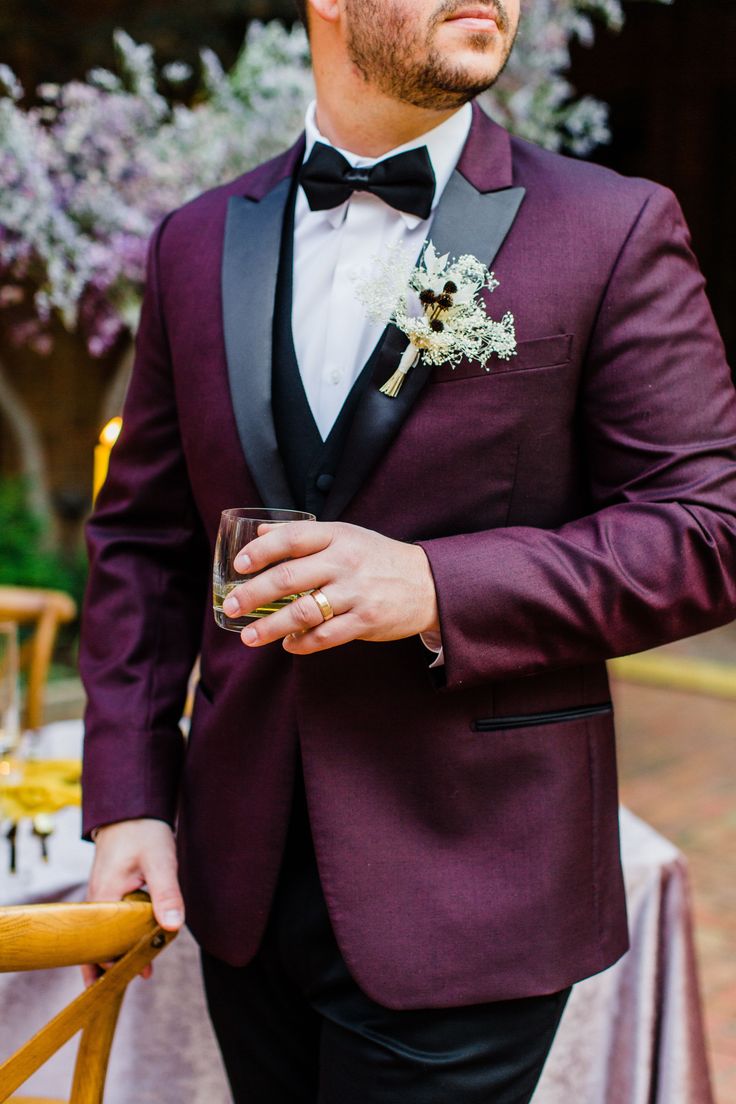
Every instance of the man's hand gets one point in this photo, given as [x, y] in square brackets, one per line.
[128, 855]
[379, 588]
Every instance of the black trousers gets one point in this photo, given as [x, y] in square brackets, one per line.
[295, 1028]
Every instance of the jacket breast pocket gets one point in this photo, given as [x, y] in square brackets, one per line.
[542, 352]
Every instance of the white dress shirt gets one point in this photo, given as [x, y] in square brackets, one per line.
[333, 337]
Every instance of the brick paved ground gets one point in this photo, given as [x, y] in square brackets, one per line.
[677, 755]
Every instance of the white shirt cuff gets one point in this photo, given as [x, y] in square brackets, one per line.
[433, 642]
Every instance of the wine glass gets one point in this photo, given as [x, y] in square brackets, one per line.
[239, 527]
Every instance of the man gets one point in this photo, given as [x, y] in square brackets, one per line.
[528, 521]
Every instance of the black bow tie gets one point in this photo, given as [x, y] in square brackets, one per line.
[405, 181]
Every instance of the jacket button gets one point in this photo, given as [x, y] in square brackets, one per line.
[324, 482]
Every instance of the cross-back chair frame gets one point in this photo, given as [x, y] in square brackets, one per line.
[46, 610]
[36, 937]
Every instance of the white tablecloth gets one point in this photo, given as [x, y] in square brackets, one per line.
[632, 1035]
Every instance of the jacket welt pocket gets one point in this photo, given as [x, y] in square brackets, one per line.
[543, 352]
[530, 720]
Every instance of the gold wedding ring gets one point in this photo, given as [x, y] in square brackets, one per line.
[324, 606]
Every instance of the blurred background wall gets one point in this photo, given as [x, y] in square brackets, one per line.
[670, 80]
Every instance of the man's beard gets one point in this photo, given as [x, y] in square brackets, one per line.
[402, 61]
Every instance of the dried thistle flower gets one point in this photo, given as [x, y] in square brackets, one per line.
[399, 293]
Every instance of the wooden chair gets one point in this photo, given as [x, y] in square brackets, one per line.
[34, 937]
[45, 610]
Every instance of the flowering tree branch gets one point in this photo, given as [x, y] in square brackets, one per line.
[85, 177]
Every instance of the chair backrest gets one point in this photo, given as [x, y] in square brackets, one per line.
[34, 937]
[45, 610]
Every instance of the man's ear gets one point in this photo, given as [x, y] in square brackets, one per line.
[329, 10]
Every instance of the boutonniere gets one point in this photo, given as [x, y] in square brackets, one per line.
[438, 305]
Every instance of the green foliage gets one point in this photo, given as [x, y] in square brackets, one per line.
[23, 559]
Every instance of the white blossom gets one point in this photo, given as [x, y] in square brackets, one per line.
[85, 177]
[11, 84]
[177, 71]
[447, 329]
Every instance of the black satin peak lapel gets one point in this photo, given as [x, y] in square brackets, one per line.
[250, 265]
[469, 221]
[466, 221]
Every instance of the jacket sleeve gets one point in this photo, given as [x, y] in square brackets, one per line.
[655, 559]
[146, 594]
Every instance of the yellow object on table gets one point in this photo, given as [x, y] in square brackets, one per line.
[37, 788]
[32, 786]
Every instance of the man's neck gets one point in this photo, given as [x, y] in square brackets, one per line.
[368, 123]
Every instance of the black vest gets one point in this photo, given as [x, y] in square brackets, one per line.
[310, 462]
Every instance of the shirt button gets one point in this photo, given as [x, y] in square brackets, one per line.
[335, 375]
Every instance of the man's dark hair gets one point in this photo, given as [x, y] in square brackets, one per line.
[301, 8]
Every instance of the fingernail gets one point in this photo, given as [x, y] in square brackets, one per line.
[242, 563]
[250, 636]
[231, 605]
[173, 917]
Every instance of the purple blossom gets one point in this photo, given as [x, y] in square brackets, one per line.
[85, 178]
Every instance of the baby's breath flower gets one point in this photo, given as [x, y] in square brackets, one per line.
[177, 71]
[438, 305]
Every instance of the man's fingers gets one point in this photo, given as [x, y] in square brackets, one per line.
[112, 888]
[93, 972]
[90, 974]
[168, 908]
[281, 542]
[163, 887]
[299, 616]
[130, 855]
[280, 581]
[105, 886]
[329, 634]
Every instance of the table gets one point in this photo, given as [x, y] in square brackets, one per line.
[632, 1035]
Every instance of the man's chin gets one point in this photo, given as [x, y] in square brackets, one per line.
[464, 83]
[474, 67]
[480, 58]
[441, 98]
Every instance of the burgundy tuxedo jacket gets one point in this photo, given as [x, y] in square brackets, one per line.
[576, 502]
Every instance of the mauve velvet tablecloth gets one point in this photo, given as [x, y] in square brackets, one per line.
[632, 1035]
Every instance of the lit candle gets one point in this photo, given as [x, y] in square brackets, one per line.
[108, 437]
